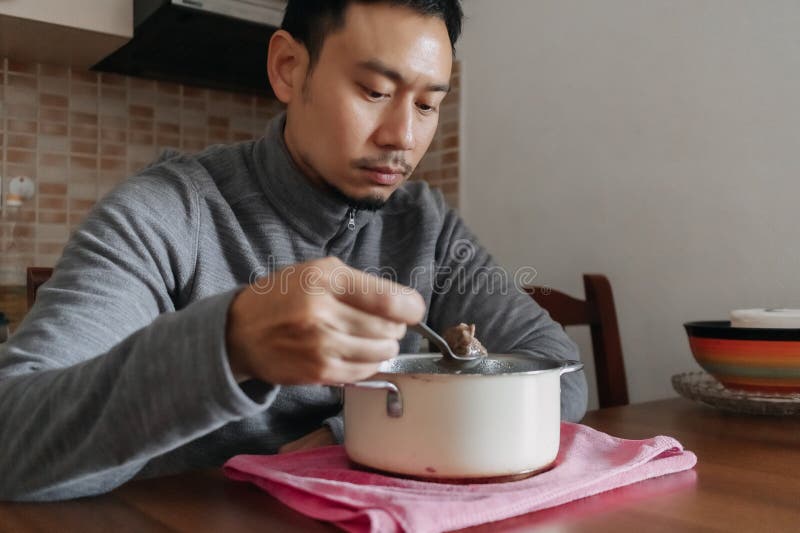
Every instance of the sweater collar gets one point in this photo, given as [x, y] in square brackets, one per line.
[317, 214]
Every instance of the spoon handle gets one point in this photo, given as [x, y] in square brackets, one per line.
[424, 330]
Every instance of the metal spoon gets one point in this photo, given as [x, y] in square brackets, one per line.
[440, 343]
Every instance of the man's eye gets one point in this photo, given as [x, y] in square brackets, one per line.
[374, 95]
[425, 108]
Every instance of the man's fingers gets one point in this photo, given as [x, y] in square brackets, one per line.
[348, 371]
[357, 323]
[361, 350]
[375, 295]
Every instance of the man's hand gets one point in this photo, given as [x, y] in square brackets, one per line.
[320, 322]
[316, 439]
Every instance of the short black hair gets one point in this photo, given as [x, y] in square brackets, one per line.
[311, 21]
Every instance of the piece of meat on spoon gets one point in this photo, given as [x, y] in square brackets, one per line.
[462, 340]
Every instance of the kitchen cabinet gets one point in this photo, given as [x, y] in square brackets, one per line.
[77, 32]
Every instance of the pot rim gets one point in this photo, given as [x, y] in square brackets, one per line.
[450, 369]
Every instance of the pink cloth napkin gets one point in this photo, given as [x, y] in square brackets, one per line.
[321, 483]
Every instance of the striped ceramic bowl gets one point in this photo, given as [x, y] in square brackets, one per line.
[751, 359]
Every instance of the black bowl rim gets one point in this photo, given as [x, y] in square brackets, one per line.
[722, 329]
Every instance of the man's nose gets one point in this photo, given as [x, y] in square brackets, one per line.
[396, 131]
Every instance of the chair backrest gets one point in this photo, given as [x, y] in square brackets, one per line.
[36, 276]
[599, 313]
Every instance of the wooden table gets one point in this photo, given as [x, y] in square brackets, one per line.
[747, 479]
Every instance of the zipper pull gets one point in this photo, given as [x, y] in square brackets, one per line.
[351, 224]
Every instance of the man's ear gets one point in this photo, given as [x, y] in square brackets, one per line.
[287, 63]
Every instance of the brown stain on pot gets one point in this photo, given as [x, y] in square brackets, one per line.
[456, 481]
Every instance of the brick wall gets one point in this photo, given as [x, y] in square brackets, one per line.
[78, 133]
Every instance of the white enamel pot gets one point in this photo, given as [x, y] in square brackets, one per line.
[422, 416]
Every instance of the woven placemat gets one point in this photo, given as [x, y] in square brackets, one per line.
[702, 387]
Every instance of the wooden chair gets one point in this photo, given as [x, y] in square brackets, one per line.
[599, 313]
[36, 276]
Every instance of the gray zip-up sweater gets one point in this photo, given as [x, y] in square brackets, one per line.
[120, 369]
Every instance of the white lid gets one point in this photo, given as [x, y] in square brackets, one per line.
[766, 318]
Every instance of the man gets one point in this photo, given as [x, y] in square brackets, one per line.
[205, 305]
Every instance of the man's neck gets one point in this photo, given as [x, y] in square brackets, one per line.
[318, 182]
[300, 162]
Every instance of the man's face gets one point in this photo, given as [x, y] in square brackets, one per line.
[369, 110]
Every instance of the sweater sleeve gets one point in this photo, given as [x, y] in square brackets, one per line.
[470, 287]
[109, 369]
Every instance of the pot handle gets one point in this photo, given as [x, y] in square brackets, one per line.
[394, 401]
[570, 366]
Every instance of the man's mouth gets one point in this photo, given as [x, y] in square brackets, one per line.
[384, 175]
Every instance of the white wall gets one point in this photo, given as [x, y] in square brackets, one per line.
[655, 141]
[114, 17]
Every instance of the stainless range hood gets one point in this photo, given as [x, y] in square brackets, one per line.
[267, 12]
[219, 44]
